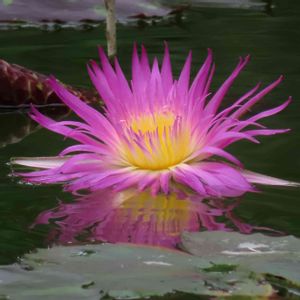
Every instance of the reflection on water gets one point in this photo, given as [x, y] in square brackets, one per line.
[138, 218]
[274, 45]
[14, 134]
[16, 125]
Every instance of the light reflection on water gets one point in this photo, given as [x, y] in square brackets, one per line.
[139, 218]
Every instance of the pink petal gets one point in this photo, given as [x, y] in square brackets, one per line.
[40, 162]
[220, 152]
[166, 71]
[214, 103]
[244, 108]
[184, 78]
[267, 180]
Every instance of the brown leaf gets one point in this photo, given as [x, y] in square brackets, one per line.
[19, 87]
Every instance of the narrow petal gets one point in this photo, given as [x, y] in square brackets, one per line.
[87, 113]
[255, 99]
[268, 113]
[214, 103]
[184, 78]
[166, 71]
[145, 66]
[108, 71]
[221, 153]
[265, 131]
[39, 162]
[267, 180]
[63, 130]
[197, 90]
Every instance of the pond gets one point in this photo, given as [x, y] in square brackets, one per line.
[270, 34]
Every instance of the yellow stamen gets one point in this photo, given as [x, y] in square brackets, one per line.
[161, 144]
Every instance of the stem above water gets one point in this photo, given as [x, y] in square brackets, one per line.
[111, 28]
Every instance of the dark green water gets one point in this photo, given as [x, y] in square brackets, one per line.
[272, 37]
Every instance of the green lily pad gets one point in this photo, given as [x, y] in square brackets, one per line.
[276, 256]
[121, 272]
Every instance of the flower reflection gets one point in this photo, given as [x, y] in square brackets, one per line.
[138, 218]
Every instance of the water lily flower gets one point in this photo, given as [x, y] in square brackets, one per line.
[157, 133]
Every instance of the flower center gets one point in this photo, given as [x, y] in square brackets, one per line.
[156, 141]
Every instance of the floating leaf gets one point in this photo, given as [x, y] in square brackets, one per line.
[241, 4]
[120, 272]
[20, 87]
[75, 11]
[278, 256]
[93, 10]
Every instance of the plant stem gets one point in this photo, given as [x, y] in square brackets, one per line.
[111, 28]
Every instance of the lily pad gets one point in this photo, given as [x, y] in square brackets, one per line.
[240, 4]
[277, 256]
[121, 272]
[76, 10]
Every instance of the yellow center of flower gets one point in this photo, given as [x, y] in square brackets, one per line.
[157, 141]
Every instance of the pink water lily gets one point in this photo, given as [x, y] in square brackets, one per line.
[157, 133]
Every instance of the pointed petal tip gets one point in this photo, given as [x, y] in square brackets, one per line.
[166, 50]
[103, 56]
[280, 78]
[143, 47]
[209, 52]
[51, 80]
[54, 83]
[39, 162]
[277, 81]
[93, 63]
[100, 49]
[258, 178]
[135, 46]
[88, 66]
[135, 56]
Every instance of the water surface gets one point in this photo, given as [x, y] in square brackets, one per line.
[271, 36]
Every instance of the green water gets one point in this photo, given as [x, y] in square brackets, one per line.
[271, 37]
